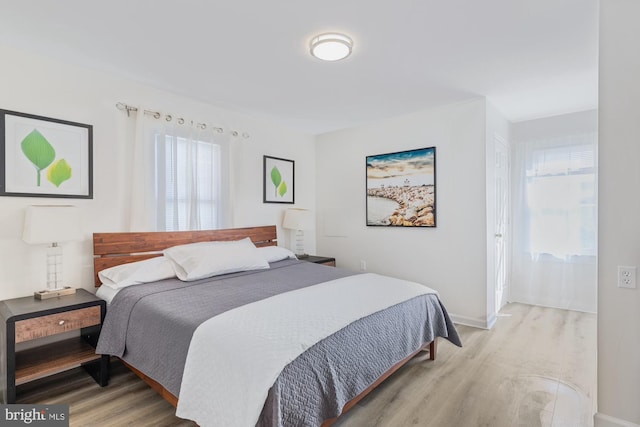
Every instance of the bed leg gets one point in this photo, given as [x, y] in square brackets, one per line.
[433, 348]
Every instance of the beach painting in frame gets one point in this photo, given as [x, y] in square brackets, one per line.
[401, 189]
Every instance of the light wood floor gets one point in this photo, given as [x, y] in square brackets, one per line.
[536, 367]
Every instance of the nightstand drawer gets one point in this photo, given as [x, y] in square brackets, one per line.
[52, 324]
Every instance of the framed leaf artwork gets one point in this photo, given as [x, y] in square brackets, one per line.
[45, 157]
[278, 180]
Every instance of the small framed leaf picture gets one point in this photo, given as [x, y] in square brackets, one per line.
[278, 178]
[44, 157]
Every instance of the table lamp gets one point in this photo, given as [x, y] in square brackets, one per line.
[298, 220]
[52, 225]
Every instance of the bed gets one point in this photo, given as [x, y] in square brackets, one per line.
[155, 329]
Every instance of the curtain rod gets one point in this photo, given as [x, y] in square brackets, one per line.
[156, 114]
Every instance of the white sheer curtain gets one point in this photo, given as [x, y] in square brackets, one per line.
[555, 222]
[180, 178]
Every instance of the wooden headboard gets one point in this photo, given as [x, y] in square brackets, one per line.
[111, 249]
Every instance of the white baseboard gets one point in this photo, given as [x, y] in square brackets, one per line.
[470, 321]
[551, 304]
[601, 420]
[491, 321]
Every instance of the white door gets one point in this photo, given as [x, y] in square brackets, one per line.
[502, 210]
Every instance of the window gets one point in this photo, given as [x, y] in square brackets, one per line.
[188, 178]
[561, 198]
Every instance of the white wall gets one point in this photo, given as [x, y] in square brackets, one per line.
[450, 258]
[275, 141]
[619, 213]
[41, 86]
[555, 127]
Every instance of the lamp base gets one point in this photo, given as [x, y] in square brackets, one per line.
[52, 293]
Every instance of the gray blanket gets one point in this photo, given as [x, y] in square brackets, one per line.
[150, 326]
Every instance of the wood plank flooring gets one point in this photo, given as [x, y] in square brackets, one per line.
[536, 367]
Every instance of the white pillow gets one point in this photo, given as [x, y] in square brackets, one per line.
[135, 273]
[207, 259]
[276, 253]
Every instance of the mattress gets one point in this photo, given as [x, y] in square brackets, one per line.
[150, 326]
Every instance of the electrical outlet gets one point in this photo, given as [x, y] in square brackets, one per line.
[363, 265]
[627, 277]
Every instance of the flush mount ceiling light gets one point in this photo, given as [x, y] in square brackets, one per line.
[331, 46]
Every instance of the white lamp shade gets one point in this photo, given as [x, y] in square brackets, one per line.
[298, 219]
[51, 224]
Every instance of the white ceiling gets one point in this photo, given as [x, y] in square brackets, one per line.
[531, 58]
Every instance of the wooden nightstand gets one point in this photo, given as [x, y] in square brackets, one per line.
[320, 260]
[26, 319]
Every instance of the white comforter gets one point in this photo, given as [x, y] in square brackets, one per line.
[234, 358]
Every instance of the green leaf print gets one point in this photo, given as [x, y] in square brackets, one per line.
[282, 189]
[276, 178]
[59, 172]
[37, 149]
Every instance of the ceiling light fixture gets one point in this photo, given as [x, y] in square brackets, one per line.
[331, 46]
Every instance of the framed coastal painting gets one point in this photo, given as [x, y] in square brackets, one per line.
[401, 189]
[45, 157]
[278, 180]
